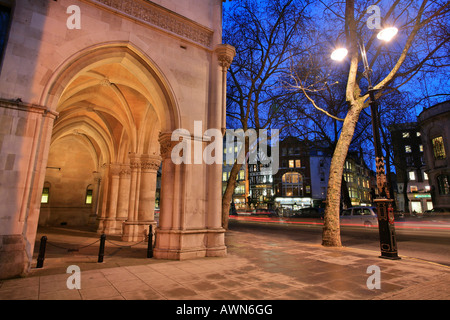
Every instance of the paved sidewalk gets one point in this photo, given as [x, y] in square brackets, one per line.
[257, 268]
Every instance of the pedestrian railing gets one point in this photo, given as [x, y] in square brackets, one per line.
[101, 253]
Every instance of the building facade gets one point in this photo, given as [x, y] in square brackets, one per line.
[413, 189]
[292, 182]
[434, 125]
[90, 94]
[357, 178]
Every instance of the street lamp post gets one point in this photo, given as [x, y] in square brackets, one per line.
[385, 213]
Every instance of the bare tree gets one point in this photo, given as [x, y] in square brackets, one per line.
[266, 36]
[422, 39]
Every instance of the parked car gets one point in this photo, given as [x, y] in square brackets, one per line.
[364, 216]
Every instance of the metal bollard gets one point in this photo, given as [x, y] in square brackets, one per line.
[150, 242]
[41, 256]
[101, 251]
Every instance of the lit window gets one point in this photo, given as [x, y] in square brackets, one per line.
[45, 195]
[443, 184]
[438, 148]
[405, 134]
[224, 176]
[408, 149]
[425, 176]
[297, 163]
[292, 184]
[241, 175]
[89, 196]
[414, 188]
[291, 163]
[412, 175]
[421, 148]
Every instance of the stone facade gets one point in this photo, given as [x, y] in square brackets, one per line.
[434, 125]
[90, 92]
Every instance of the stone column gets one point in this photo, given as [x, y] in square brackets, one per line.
[124, 193]
[110, 221]
[25, 135]
[129, 232]
[149, 170]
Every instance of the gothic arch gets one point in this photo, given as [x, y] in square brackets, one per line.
[117, 102]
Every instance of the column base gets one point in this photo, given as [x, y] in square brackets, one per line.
[13, 258]
[136, 230]
[189, 244]
[110, 226]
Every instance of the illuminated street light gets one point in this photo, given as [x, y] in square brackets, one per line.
[339, 54]
[385, 213]
[387, 34]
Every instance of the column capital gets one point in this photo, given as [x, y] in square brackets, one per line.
[150, 162]
[114, 169]
[166, 144]
[225, 54]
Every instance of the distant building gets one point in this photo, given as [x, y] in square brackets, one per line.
[434, 125]
[292, 182]
[357, 178]
[412, 179]
[319, 162]
[241, 188]
[261, 181]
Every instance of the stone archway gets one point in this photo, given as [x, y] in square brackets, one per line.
[112, 104]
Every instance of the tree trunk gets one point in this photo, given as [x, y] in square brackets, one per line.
[228, 195]
[331, 236]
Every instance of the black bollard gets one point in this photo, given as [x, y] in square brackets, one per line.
[150, 242]
[101, 251]
[41, 257]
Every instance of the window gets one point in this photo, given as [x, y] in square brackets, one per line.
[348, 177]
[348, 165]
[224, 176]
[5, 17]
[291, 163]
[241, 175]
[45, 195]
[421, 148]
[352, 193]
[89, 196]
[443, 184]
[425, 176]
[412, 175]
[438, 148]
[239, 189]
[292, 184]
[297, 163]
[405, 134]
[414, 189]
[408, 149]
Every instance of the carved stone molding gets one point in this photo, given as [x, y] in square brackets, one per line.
[125, 171]
[225, 54]
[155, 15]
[114, 169]
[166, 144]
[150, 163]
